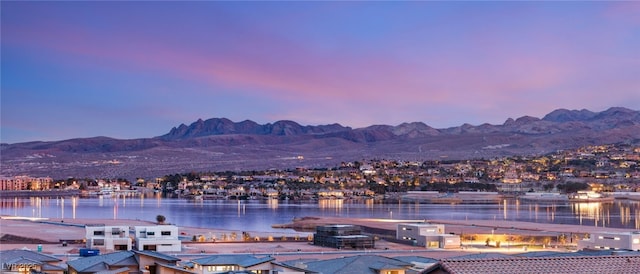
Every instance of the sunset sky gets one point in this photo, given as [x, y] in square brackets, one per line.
[137, 69]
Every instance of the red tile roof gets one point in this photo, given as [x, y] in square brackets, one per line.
[578, 264]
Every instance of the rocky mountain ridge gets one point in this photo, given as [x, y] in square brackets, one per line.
[221, 144]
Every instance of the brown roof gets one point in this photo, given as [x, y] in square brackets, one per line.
[577, 264]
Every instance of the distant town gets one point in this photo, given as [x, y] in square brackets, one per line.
[603, 169]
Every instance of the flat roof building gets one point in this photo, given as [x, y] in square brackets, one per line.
[612, 240]
[161, 238]
[108, 237]
[427, 235]
[342, 236]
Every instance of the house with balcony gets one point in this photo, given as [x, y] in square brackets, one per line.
[108, 237]
[160, 238]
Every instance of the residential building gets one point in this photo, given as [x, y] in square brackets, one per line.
[21, 261]
[427, 235]
[161, 238]
[342, 236]
[108, 237]
[145, 262]
[25, 183]
[373, 264]
[116, 262]
[159, 263]
[612, 240]
[241, 264]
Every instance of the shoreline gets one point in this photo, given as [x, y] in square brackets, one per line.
[33, 233]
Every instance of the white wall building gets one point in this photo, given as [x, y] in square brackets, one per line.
[160, 238]
[427, 235]
[108, 237]
[612, 240]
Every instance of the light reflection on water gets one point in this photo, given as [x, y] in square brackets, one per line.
[255, 215]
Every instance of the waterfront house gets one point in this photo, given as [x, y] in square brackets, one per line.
[342, 236]
[161, 238]
[612, 240]
[107, 237]
[427, 235]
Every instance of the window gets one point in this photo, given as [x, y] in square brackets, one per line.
[98, 242]
[98, 233]
[150, 233]
[165, 233]
[636, 241]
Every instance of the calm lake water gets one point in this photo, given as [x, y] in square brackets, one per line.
[254, 215]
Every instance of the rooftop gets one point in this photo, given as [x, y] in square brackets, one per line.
[570, 264]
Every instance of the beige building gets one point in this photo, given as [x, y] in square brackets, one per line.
[427, 235]
[25, 183]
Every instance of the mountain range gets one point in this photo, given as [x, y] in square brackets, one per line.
[219, 144]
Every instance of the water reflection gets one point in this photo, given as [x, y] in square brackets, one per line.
[261, 214]
[330, 203]
[598, 212]
[273, 203]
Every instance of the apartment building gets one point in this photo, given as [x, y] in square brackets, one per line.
[25, 183]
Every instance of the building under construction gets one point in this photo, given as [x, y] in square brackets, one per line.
[342, 236]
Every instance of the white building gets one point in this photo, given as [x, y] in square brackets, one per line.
[108, 237]
[160, 238]
[612, 240]
[427, 235]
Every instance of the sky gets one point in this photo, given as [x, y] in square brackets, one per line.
[135, 69]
